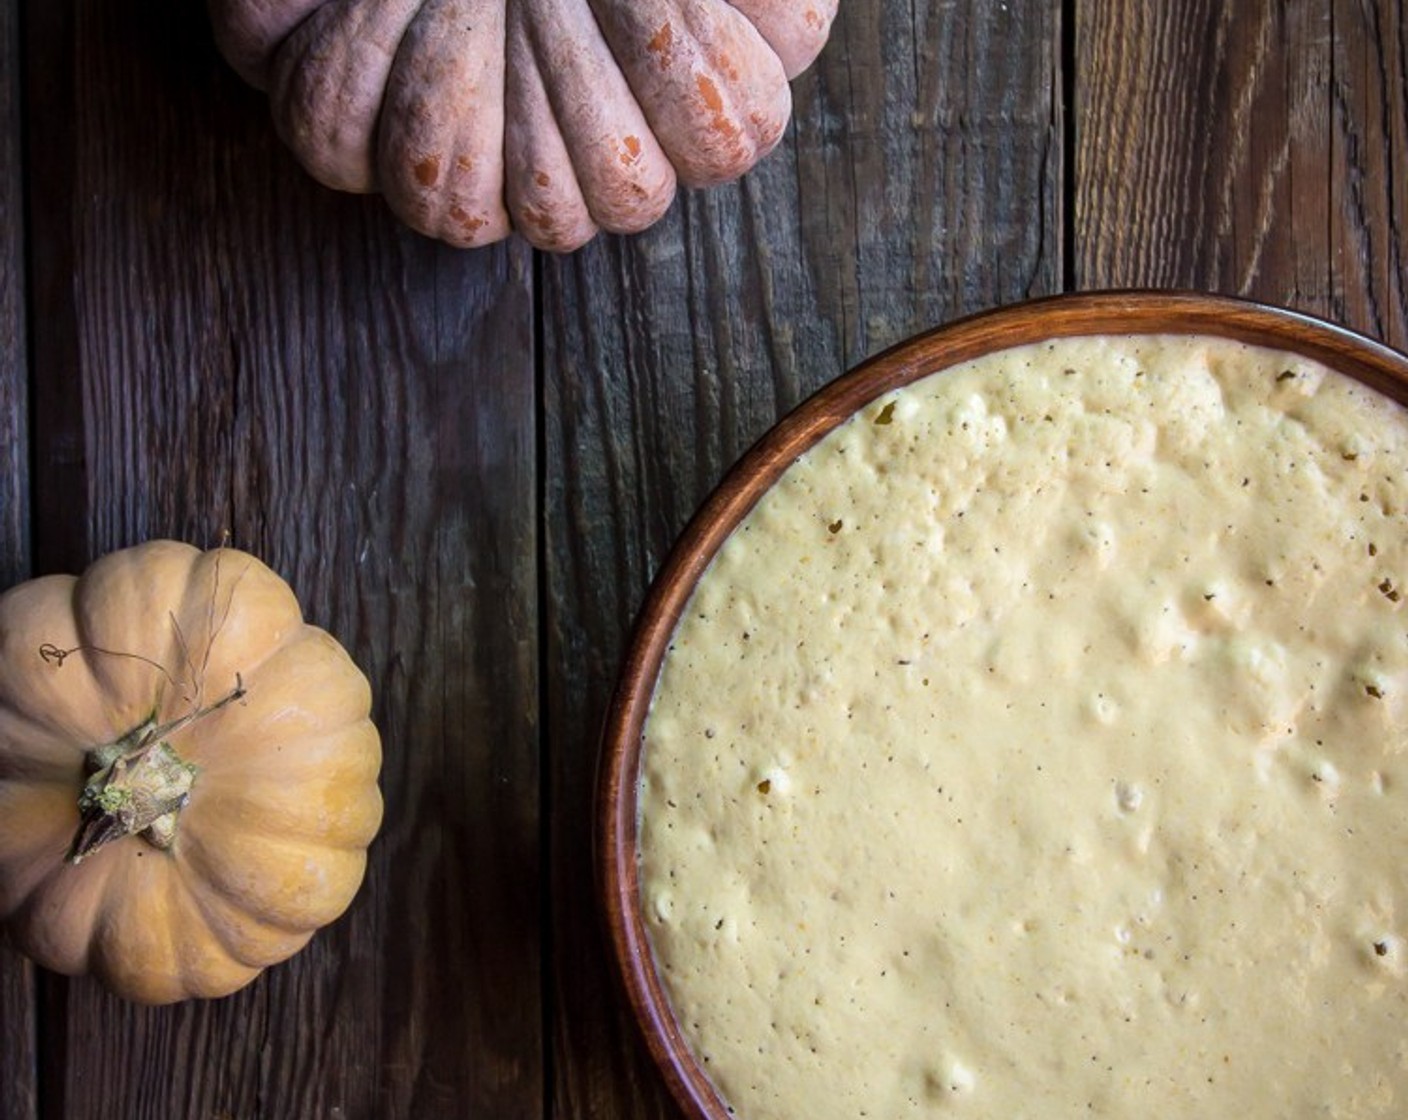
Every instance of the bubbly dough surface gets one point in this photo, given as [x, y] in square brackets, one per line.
[1038, 747]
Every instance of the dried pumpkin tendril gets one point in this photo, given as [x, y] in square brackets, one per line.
[53, 655]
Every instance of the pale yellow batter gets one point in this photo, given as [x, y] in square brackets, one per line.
[1038, 748]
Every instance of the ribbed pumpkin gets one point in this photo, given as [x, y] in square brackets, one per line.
[555, 117]
[188, 772]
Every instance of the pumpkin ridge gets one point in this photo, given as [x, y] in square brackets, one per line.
[525, 114]
[125, 619]
[624, 175]
[258, 617]
[266, 654]
[30, 751]
[328, 80]
[35, 816]
[259, 874]
[66, 699]
[221, 918]
[542, 187]
[797, 40]
[138, 949]
[106, 961]
[311, 659]
[249, 33]
[298, 798]
[443, 171]
[54, 924]
[713, 91]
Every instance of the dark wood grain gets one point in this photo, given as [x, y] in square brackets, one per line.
[14, 371]
[218, 345]
[1368, 168]
[58, 471]
[1191, 121]
[253, 354]
[1257, 149]
[920, 179]
[18, 1069]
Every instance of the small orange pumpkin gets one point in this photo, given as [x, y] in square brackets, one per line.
[188, 772]
[555, 117]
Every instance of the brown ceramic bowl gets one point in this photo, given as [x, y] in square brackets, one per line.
[1058, 317]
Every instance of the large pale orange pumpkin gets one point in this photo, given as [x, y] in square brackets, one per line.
[188, 772]
[555, 117]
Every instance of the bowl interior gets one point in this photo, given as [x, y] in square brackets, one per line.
[1058, 317]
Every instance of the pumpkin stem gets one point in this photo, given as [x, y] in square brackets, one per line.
[139, 784]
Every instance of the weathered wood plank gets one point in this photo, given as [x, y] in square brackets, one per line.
[357, 405]
[1257, 149]
[921, 179]
[1368, 168]
[18, 1085]
[14, 369]
[57, 457]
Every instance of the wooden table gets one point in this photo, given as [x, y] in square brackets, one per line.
[469, 464]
